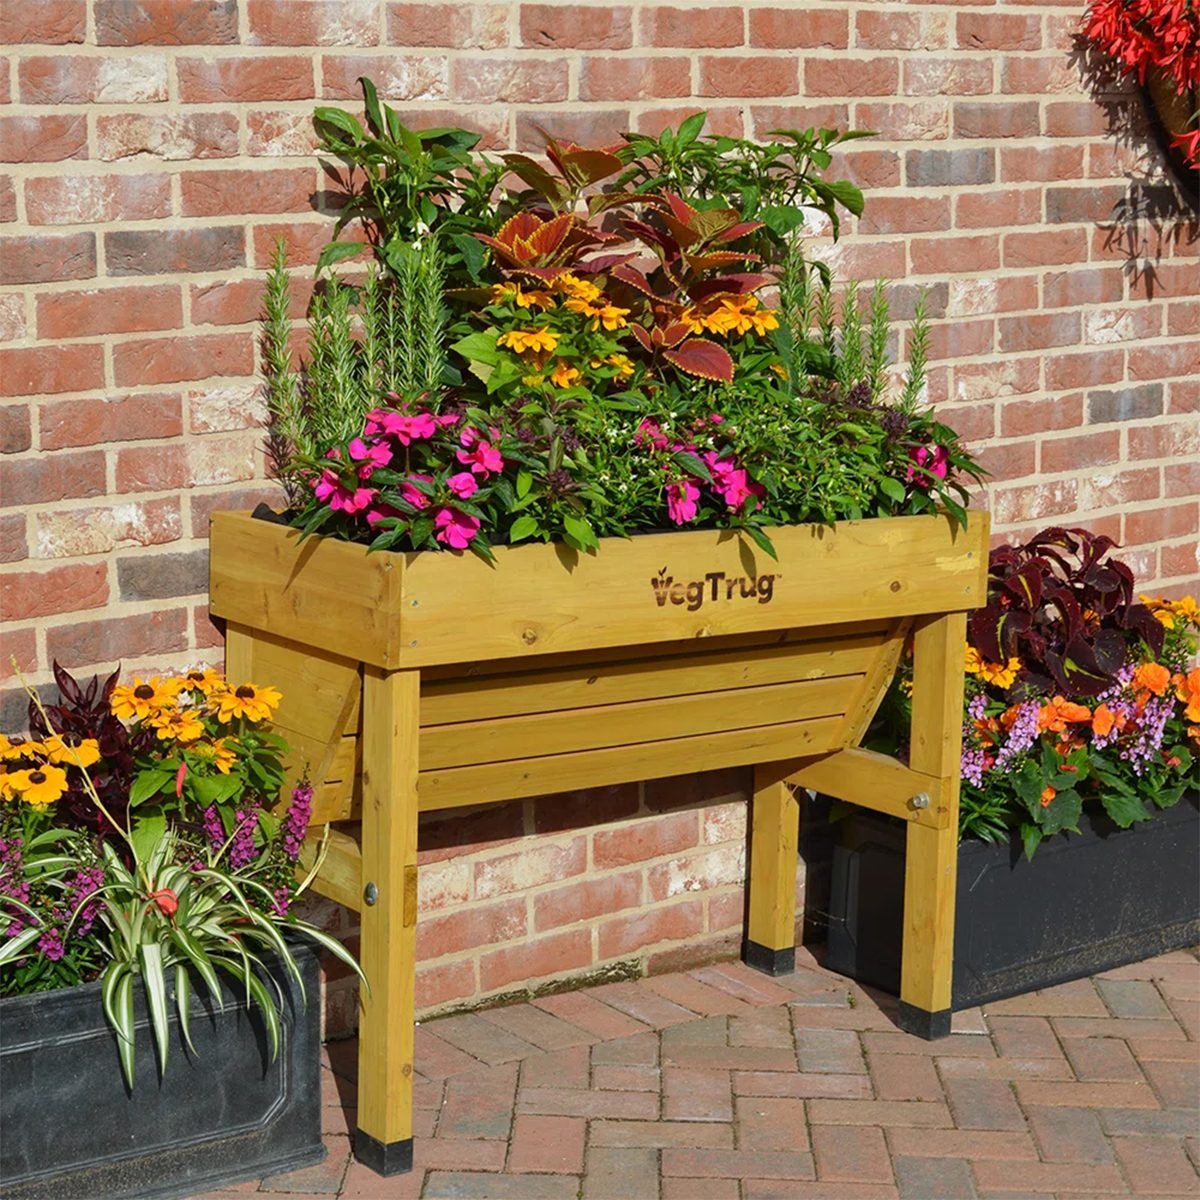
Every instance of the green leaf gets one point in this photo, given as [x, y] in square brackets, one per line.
[371, 104]
[147, 836]
[893, 489]
[340, 120]
[336, 252]
[478, 348]
[759, 537]
[183, 1003]
[1062, 812]
[693, 465]
[524, 483]
[1125, 810]
[523, 527]
[147, 784]
[156, 999]
[1031, 838]
[781, 219]
[689, 130]
[579, 529]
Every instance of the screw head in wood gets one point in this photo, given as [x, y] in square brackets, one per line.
[371, 894]
[920, 800]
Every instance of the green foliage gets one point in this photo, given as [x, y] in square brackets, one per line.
[289, 439]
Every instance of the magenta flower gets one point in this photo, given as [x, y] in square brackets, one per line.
[483, 458]
[339, 496]
[404, 428]
[464, 485]
[367, 457]
[381, 512]
[454, 529]
[413, 494]
[649, 433]
[681, 501]
[935, 459]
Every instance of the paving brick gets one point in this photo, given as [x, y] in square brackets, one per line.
[1157, 1166]
[1148, 1122]
[1075, 999]
[650, 1134]
[1151, 1049]
[707, 1031]
[961, 1143]
[1102, 1059]
[983, 1104]
[701, 1189]
[1087, 1095]
[955, 1046]
[1024, 1037]
[1069, 1027]
[816, 1084]
[627, 1079]
[1177, 1084]
[880, 1112]
[697, 1095]
[731, 1058]
[1061, 1178]
[536, 1027]
[850, 1155]
[573, 1102]
[771, 1189]
[571, 1067]
[691, 993]
[741, 981]
[1005, 1068]
[614, 1174]
[904, 1077]
[639, 1050]
[737, 1164]
[642, 1005]
[479, 1104]
[1069, 1135]
[542, 1143]
[470, 1185]
[770, 1123]
[769, 1027]
[590, 1014]
[934, 1179]
[1133, 998]
[484, 1040]
[836, 1051]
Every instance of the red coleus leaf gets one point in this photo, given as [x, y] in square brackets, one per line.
[635, 279]
[681, 210]
[536, 176]
[705, 359]
[717, 258]
[741, 229]
[547, 238]
[642, 337]
[734, 285]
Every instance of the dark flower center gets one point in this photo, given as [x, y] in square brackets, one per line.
[37, 777]
[144, 692]
[245, 692]
[196, 676]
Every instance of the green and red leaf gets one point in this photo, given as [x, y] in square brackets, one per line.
[702, 358]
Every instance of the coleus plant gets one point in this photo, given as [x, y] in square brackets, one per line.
[1066, 610]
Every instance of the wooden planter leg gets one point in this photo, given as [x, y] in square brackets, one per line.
[931, 870]
[389, 919]
[770, 944]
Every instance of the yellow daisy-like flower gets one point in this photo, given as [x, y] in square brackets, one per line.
[700, 319]
[249, 701]
[143, 697]
[1002, 675]
[205, 680]
[217, 752]
[741, 315]
[623, 364]
[179, 725]
[972, 661]
[513, 292]
[1187, 608]
[574, 287]
[564, 375]
[63, 753]
[600, 313]
[39, 787]
[11, 751]
[525, 341]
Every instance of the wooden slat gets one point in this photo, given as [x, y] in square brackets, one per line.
[875, 781]
[341, 869]
[774, 848]
[457, 786]
[653, 721]
[590, 683]
[863, 708]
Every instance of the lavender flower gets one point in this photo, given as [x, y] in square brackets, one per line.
[973, 766]
[213, 829]
[86, 883]
[51, 946]
[281, 900]
[1022, 735]
[295, 824]
[242, 851]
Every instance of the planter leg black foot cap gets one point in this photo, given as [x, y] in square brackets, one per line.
[927, 1025]
[384, 1158]
[770, 962]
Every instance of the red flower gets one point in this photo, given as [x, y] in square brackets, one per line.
[167, 901]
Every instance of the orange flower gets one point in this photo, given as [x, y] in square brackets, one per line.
[1058, 713]
[1048, 795]
[1187, 689]
[1103, 720]
[1151, 677]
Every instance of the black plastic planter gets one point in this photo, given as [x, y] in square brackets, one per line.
[71, 1130]
[1085, 903]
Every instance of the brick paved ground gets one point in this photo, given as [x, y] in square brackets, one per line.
[720, 1084]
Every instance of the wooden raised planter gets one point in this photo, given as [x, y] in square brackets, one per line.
[426, 681]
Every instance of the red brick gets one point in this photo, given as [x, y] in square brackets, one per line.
[1041, 75]
[1182, 560]
[65, 423]
[1181, 479]
[1010, 118]
[204, 505]
[1018, 505]
[1156, 1166]
[478, 26]
[441, 984]
[16, 430]
[100, 642]
[994, 209]
[1039, 332]
[624, 935]
[165, 22]
[661, 25]
[906, 214]
[1028, 418]
[219, 80]
[535, 958]
[280, 134]
[84, 199]
[232, 302]
[828, 77]
[20, 644]
[1161, 524]
[1086, 1095]
[13, 544]
[33, 594]
[1174, 441]
[1042, 249]
[157, 252]
[48, 478]
[396, 76]
[784, 29]
[47, 258]
[1075, 118]
[721, 121]
[908, 121]
[1183, 319]
[1065, 371]
[960, 339]
[1041, 163]
[69, 533]
[989, 31]
[45, 369]
[151, 469]
[8, 199]
[555, 26]
[1048, 1177]
[221, 193]
[303, 242]
[168, 360]
[63, 79]
[108, 310]
[542, 1143]
[849, 1155]
[901, 31]
[736, 1164]
[43, 139]
[509, 81]
[946, 255]
[868, 168]
[529, 868]
[587, 899]
[1086, 204]
[315, 23]
[171, 136]
[481, 925]
[1075, 453]
[947, 76]
[1160, 362]
[1094, 285]
[737, 76]
[650, 838]
[49, 22]
[634, 78]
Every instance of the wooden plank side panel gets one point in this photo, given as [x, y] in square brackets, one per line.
[323, 593]
[588, 682]
[482, 784]
[679, 586]
[878, 782]
[645, 721]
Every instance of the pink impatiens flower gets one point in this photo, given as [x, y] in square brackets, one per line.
[454, 529]
[367, 456]
[681, 501]
[464, 485]
[935, 460]
[649, 433]
[413, 494]
[404, 427]
[731, 482]
[482, 457]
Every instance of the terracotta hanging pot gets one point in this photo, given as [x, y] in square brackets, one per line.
[1170, 115]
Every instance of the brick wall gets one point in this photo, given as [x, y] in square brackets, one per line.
[151, 153]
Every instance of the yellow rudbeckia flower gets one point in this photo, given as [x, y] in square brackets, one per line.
[39, 787]
[139, 699]
[61, 752]
[180, 725]
[249, 700]
[525, 341]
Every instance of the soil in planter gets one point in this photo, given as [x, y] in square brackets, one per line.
[1087, 902]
